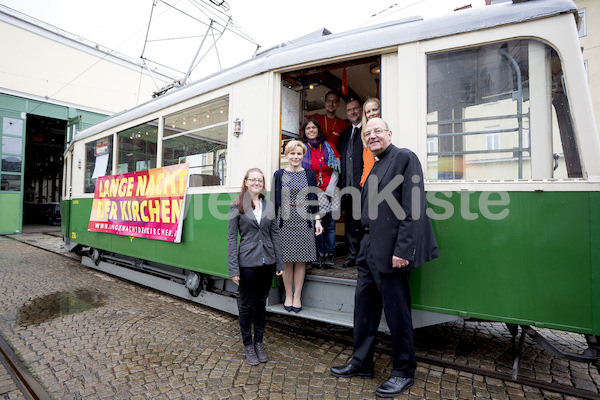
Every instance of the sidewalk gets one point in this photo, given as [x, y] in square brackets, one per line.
[46, 237]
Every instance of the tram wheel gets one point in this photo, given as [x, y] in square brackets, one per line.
[192, 283]
[95, 255]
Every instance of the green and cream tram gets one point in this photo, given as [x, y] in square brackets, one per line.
[493, 100]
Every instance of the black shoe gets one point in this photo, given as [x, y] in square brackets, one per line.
[320, 261]
[251, 357]
[297, 309]
[394, 386]
[350, 262]
[288, 308]
[328, 261]
[349, 370]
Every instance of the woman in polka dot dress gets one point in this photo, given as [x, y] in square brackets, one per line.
[298, 222]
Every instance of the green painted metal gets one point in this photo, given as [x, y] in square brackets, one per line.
[533, 267]
[203, 246]
[65, 217]
[595, 258]
[45, 109]
[11, 204]
[537, 266]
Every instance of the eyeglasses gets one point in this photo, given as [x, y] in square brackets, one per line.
[252, 180]
[377, 131]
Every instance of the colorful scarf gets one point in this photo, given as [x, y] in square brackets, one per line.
[331, 156]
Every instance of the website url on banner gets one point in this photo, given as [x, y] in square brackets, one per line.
[134, 229]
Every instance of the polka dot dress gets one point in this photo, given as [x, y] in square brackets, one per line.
[297, 238]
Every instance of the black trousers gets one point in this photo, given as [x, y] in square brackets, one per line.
[351, 226]
[375, 292]
[255, 284]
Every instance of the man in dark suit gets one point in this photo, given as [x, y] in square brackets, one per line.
[396, 237]
[351, 150]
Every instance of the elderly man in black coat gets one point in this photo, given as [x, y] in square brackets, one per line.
[396, 237]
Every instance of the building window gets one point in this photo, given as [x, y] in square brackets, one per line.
[431, 145]
[11, 149]
[583, 24]
[198, 136]
[493, 141]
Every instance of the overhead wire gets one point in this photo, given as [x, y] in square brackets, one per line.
[228, 22]
[108, 53]
[214, 13]
[225, 24]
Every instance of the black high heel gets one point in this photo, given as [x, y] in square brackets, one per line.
[296, 309]
[288, 308]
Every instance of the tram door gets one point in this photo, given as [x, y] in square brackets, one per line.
[304, 92]
[73, 126]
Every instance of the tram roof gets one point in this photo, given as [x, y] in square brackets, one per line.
[322, 45]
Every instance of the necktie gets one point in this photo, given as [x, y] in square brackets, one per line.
[354, 133]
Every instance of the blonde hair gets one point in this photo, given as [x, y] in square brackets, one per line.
[364, 118]
[292, 144]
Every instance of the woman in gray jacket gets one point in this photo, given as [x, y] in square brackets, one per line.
[254, 262]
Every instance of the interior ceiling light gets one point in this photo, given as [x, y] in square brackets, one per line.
[375, 68]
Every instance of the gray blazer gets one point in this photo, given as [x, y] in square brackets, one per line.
[259, 243]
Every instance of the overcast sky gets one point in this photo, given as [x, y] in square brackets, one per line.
[122, 25]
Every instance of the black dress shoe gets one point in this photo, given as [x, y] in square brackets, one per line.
[394, 386]
[349, 370]
[350, 262]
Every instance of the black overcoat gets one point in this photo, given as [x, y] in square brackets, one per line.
[397, 223]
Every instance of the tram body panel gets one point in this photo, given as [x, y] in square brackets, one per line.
[533, 267]
[204, 239]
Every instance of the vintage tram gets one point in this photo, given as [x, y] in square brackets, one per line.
[493, 100]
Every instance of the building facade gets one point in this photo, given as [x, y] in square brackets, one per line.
[53, 84]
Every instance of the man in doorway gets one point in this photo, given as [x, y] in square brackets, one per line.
[332, 125]
[396, 237]
[351, 150]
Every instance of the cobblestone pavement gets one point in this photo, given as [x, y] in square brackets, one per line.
[87, 335]
[8, 388]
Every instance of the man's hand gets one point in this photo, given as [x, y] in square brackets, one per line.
[398, 262]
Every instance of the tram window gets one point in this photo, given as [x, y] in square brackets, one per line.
[198, 136]
[477, 102]
[137, 148]
[567, 163]
[98, 161]
[478, 112]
